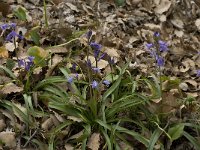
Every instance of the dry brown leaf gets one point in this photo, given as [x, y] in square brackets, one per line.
[192, 83]
[94, 141]
[8, 138]
[8, 114]
[75, 136]
[2, 124]
[193, 94]
[57, 1]
[152, 26]
[124, 146]
[112, 52]
[47, 124]
[11, 88]
[69, 147]
[3, 52]
[183, 86]
[179, 33]
[72, 7]
[197, 23]
[177, 23]
[74, 119]
[88, 10]
[163, 6]
[4, 8]
[101, 63]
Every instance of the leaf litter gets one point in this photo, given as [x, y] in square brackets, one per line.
[122, 32]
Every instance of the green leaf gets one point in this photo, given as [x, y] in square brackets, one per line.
[136, 135]
[10, 63]
[112, 88]
[108, 142]
[40, 55]
[154, 138]
[9, 72]
[49, 81]
[124, 103]
[195, 142]
[176, 131]
[66, 74]
[120, 2]
[34, 35]
[21, 13]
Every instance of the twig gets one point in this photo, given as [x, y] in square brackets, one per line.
[31, 137]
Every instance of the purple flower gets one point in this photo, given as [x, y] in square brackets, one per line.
[96, 70]
[89, 64]
[70, 79]
[89, 34]
[27, 64]
[156, 34]
[21, 63]
[13, 25]
[76, 76]
[31, 58]
[4, 26]
[160, 61]
[149, 45]
[153, 54]
[13, 34]
[106, 82]
[96, 46]
[74, 66]
[162, 46]
[96, 53]
[95, 84]
[101, 56]
[198, 73]
[111, 61]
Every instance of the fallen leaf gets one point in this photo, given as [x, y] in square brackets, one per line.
[183, 86]
[69, 147]
[197, 23]
[4, 8]
[3, 52]
[11, 46]
[163, 6]
[94, 141]
[47, 124]
[72, 7]
[101, 63]
[8, 138]
[2, 124]
[11, 88]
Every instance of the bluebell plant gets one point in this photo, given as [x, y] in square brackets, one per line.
[155, 49]
[26, 63]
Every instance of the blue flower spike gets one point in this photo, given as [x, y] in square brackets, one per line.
[13, 34]
[96, 70]
[95, 84]
[70, 80]
[162, 46]
[149, 45]
[198, 73]
[106, 82]
[160, 61]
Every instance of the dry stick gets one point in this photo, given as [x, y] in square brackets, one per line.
[31, 138]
